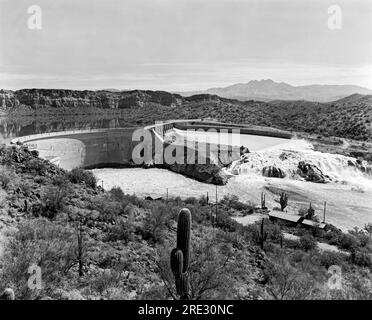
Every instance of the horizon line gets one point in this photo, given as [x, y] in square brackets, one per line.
[95, 88]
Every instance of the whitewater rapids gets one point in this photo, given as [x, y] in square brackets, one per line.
[348, 193]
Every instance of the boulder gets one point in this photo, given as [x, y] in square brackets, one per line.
[273, 172]
[243, 150]
[311, 172]
[208, 173]
[205, 168]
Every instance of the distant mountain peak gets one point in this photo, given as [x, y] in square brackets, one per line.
[268, 89]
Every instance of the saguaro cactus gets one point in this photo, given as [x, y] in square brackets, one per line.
[263, 201]
[310, 212]
[283, 201]
[180, 256]
[263, 234]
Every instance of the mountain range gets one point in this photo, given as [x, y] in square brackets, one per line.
[267, 90]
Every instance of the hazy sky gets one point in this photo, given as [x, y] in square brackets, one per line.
[183, 44]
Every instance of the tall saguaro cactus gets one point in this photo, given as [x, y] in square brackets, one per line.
[263, 201]
[263, 235]
[283, 201]
[180, 256]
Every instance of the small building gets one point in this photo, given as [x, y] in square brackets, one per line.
[289, 219]
[313, 224]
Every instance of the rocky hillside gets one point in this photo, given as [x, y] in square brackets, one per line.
[125, 241]
[34, 99]
[349, 117]
[98, 244]
[102, 244]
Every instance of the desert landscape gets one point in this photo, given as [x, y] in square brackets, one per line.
[148, 156]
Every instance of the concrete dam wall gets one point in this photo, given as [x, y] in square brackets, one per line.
[113, 147]
[85, 148]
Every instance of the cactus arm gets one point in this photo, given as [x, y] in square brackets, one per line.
[176, 262]
[183, 236]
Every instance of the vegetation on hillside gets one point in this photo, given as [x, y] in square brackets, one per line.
[349, 117]
[95, 244]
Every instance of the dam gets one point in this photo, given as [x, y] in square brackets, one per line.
[113, 147]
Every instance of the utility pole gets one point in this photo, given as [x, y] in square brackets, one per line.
[167, 194]
[207, 197]
[324, 212]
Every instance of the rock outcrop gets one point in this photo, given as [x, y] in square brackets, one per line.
[209, 173]
[273, 172]
[312, 173]
[204, 168]
[33, 99]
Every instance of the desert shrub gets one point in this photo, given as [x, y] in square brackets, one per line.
[333, 235]
[37, 242]
[108, 209]
[203, 200]
[308, 242]
[291, 244]
[348, 242]
[285, 282]
[176, 200]
[317, 233]
[329, 258]
[41, 180]
[25, 188]
[236, 239]
[36, 166]
[358, 287]
[5, 179]
[362, 258]
[252, 232]
[362, 236]
[79, 175]
[155, 222]
[274, 231]
[134, 200]
[200, 214]
[191, 200]
[117, 194]
[232, 201]
[106, 280]
[225, 222]
[53, 200]
[122, 230]
[60, 180]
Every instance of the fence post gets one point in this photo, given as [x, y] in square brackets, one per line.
[324, 212]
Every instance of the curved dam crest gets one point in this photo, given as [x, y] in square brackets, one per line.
[112, 147]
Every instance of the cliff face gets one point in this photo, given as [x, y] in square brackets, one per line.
[58, 98]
